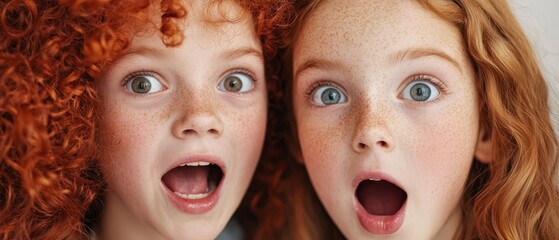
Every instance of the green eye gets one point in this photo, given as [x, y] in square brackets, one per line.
[144, 84]
[237, 82]
[420, 91]
[328, 95]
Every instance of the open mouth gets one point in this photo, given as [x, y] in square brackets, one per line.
[380, 197]
[194, 180]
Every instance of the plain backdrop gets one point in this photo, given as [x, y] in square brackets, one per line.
[540, 21]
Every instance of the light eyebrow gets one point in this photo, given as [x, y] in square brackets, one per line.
[144, 51]
[313, 64]
[240, 52]
[416, 53]
[134, 52]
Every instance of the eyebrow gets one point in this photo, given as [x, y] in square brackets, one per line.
[229, 54]
[244, 51]
[313, 64]
[415, 53]
[140, 51]
[408, 54]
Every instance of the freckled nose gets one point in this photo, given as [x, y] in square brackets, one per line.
[203, 124]
[372, 133]
[197, 121]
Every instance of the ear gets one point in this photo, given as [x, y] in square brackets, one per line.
[484, 146]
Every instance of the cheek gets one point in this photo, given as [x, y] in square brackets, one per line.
[323, 145]
[249, 134]
[442, 148]
[124, 137]
[248, 128]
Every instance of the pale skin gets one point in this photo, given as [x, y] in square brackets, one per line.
[192, 113]
[373, 128]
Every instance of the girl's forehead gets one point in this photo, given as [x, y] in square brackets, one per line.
[362, 28]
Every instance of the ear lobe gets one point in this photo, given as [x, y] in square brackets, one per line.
[484, 147]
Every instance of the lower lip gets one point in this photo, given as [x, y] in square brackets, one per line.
[195, 206]
[378, 224]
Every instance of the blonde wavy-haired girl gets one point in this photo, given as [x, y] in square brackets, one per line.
[422, 119]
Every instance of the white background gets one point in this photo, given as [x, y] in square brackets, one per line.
[540, 21]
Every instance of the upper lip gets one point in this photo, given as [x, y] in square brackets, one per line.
[374, 175]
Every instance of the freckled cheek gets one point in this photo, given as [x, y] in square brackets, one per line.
[442, 152]
[125, 137]
[248, 128]
[323, 147]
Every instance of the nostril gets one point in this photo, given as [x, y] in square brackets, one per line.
[189, 131]
[382, 144]
[362, 146]
[193, 131]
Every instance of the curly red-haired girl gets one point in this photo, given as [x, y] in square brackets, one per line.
[154, 110]
[419, 120]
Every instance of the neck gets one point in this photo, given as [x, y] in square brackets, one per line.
[117, 222]
[452, 227]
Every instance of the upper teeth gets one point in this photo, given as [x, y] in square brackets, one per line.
[193, 164]
[375, 179]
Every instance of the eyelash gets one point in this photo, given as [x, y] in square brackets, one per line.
[134, 74]
[138, 73]
[314, 86]
[310, 90]
[423, 77]
[418, 77]
[427, 78]
[243, 71]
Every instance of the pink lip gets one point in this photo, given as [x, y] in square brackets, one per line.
[377, 224]
[196, 206]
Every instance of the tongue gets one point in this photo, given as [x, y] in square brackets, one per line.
[380, 197]
[187, 180]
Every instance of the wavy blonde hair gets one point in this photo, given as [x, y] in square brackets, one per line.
[512, 197]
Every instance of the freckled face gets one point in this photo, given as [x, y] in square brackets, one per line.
[384, 99]
[202, 102]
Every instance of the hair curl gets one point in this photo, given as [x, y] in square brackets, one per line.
[51, 52]
[512, 197]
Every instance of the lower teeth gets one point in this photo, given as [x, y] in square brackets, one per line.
[192, 196]
[210, 190]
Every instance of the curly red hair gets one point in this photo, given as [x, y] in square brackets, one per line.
[51, 52]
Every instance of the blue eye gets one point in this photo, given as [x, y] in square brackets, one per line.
[236, 82]
[144, 84]
[328, 95]
[420, 91]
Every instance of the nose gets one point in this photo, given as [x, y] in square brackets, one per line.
[198, 118]
[371, 132]
[200, 124]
